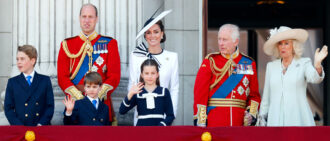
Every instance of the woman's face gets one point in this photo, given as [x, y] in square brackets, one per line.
[154, 35]
[285, 48]
[149, 75]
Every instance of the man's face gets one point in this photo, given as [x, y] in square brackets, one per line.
[225, 42]
[88, 19]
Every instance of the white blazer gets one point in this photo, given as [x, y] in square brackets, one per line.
[168, 73]
[284, 100]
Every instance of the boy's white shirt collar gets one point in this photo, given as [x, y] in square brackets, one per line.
[91, 99]
[32, 75]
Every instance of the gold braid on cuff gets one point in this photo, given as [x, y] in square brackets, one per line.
[74, 92]
[103, 93]
[201, 115]
[254, 108]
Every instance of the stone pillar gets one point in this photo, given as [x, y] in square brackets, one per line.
[183, 36]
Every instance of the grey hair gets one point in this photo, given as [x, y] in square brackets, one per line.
[298, 50]
[88, 4]
[233, 28]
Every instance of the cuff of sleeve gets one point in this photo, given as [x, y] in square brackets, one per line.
[126, 102]
[103, 93]
[74, 92]
[66, 114]
[163, 123]
[253, 108]
[323, 74]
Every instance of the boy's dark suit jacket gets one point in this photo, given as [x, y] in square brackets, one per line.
[84, 113]
[29, 105]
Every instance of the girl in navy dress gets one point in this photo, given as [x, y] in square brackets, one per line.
[154, 104]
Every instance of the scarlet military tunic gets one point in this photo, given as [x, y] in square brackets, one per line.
[229, 110]
[107, 64]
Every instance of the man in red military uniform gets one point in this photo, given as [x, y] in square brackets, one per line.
[85, 53]
[226, 87]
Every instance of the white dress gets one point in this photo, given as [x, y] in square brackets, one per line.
[168, 74]
[284, 100]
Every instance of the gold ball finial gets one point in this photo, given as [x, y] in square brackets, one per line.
[30, 136]
[206, 136]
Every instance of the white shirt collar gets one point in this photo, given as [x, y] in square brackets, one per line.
[32, 75]
[91, 99]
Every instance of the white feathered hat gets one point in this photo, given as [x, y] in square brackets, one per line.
[283, 33]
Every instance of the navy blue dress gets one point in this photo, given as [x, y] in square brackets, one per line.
[159, 112]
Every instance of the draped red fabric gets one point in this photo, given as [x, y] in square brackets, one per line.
[173, 133]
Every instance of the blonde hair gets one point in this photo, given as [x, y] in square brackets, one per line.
[298, 50]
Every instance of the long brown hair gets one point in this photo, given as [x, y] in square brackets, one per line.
[149, 62]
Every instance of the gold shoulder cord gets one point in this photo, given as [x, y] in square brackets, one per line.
[86, 48]
[220, 73]
[69, 54]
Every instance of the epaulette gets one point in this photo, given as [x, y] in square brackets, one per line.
[106, 36]
[70, 38]
[247, 56]
[211, 54]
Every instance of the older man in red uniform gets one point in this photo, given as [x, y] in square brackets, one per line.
[85, 53]
[226, 87]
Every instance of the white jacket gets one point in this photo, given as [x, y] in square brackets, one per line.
[284, 100]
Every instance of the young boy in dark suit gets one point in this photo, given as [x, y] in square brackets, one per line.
[89, 110]
[29, 97]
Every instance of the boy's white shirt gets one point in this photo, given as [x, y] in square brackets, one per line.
[32, 75]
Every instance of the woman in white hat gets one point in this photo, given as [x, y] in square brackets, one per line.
[284, 101]
[154, 34]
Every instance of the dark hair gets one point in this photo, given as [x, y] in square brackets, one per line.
[149, 62]
[30, 51]
[161, 26]
[93, 78]
[88, 4]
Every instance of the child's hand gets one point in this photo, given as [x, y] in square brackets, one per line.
[135, 89]
[69, 104]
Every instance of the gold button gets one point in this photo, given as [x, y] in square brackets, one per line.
[94, 119]
[37, 114]
[233, 96]
[37, 103]
[26, 104]
[26, 115]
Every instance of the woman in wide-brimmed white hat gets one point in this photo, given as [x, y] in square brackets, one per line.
[284, 101]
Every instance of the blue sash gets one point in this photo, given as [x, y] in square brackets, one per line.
[232, 81]
[101, 42]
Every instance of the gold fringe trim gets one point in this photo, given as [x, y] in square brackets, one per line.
[201, 115]
[254, 108]
[103, 93]
[74, 92]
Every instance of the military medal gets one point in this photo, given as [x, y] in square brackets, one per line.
[103, 48]
[98, 49]
[249, 69]
[106, 49]
[94, 48]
